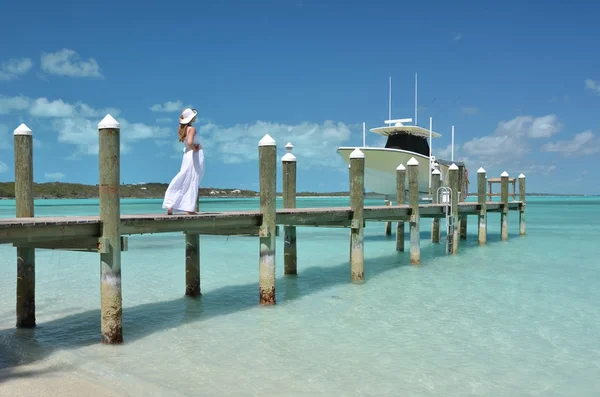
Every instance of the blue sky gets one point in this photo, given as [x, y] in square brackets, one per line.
[521, 84]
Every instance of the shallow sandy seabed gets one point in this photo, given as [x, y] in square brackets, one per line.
[41, 380]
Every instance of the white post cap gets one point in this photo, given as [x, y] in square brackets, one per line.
[289, 147]
[436, 172]
[504, 174]
[412, 161]
[522, 176]
[357, 154]
[288, 157]
[22, 130]
[453, 167]
[401, 168]
[108, 122]
[266, 141]
[481, 170]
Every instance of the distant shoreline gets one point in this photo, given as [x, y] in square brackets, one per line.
[61, 190]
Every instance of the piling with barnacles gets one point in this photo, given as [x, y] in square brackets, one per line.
[267, 159]
[522, 199]
[453, 219]
[400, 200]
[504, 199]
[111, 307]
[435, 223]
[413, 202]
[23, 152]
[357, 256]
[288, 163]
[482, 201]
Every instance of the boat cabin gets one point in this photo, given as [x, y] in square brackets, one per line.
[409, 142]
[406, 137]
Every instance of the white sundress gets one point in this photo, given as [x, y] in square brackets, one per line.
[182, 193]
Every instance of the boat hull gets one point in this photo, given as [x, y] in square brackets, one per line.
[381, 164]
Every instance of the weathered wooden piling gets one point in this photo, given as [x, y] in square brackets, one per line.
[453, 220]
[357, 256]
[23, 147]
[462, 219]
[435, 223]
[192, 264]
[111, 306]
[400, 200]
[267, 159]
[388, 224]
[504, 198]
[482, 201]
[289, 201]
[413, 202]
[192, 261]
[522, 199]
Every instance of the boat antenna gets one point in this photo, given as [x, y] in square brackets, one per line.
[452, 158]
[430, 147]
[415, 99]
[390, 100]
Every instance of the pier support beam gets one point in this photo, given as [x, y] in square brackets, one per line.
[413, 202]
[111, 306]
[267, 159]
[23, 147]
[400, 200]
[357, 198]
[435, 223]
[504, 198]
[290, 257]
[482, 201]
[522, 210]
[453, 229]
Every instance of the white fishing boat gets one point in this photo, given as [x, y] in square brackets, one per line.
[403, 143]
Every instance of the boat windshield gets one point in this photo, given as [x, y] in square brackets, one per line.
[409, 142]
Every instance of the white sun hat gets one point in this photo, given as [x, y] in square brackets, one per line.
[187, 115]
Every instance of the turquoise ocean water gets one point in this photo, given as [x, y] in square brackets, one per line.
[516, 318]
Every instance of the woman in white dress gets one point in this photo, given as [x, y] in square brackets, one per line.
[182, 193]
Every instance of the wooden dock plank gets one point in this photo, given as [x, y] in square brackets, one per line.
[30, 229]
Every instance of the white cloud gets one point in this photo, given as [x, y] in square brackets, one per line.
[312, 142]
[54, 176]
[13, 68]
[3, 167]
[458, 37]
[169, 106]
[592, 86]
[9, 104]
[42, 107]
[66, 62]
[507, 145]
[470, 110]
[584, 143]
[83, 134]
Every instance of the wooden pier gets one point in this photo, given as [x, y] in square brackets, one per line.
[107, 233]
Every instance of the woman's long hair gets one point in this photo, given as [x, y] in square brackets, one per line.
[182, 131]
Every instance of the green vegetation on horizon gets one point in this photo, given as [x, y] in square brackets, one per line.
[61, 190]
